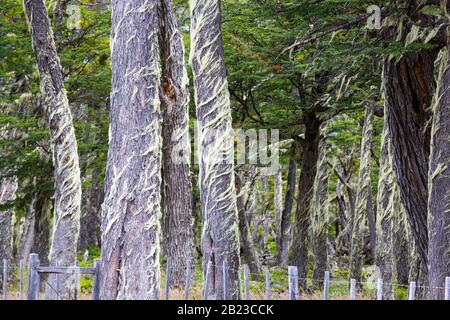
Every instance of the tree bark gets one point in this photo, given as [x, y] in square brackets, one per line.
[132, 207]
[439, 185]
[320, 215]
[385, 211]
[401, 243]
[285, 224]
[220, 239]
[64, 145]
[310, 157]
[362, 196]
[177, 197]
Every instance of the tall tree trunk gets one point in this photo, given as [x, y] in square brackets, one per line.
[174, 94]
[278, 203]
[285, 224]
[401, 243]
[310, 156]
[220, 240]
[362, 196]
[248, 248]
[132, 207]
[64, 145]
[439, 185]
[385, 211]
[320, 214]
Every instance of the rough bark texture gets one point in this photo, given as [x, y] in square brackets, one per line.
[409, 86]
[310, 157]
[220, 237]
[362, 196]
[244, 188]
[132, 209]
[439, 185]
[285, 223]
[385, 211]
[64, 145]
[320, 215]
[177, 197]
[401, 243]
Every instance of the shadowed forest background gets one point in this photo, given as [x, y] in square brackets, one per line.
[363, 187]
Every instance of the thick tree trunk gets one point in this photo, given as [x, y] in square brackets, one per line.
[439, 185]
[177, 197]
[285, 224]
[220, 239]
[320, 215]
[248, 248]
[385, 211]
[409, 86]
[132, 207]
[362, 196]
[310, 156]
[64, 145]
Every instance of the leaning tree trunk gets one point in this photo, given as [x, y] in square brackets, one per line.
[320, 215]
[439, 185]
[385, 211]
[400, 242]
[285, 223]
[248, 248]
[64, 145]
[409, 86]
[310, 157]
[132, 207]
[220, 240]
[362, 196]
[177, 197]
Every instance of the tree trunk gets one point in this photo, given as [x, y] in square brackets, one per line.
[439, 185]
[132, 207]
[362, 196]
[401, 243]
[220, 226]
[310, 157]
[285, 224]
[177, 197]
[248, 248]
[385, 211]
[320, 215]
[64, 145]
[278, 203]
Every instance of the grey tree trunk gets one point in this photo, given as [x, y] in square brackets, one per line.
[439, 185]
[320, 215]
[278, 203]
[177, 197]
[243, 190]
[220, 240]
[385, 211]
[130, 264]
[285, 223]
[362, 196]
[401, 243]
[310, 157]
[64, 145]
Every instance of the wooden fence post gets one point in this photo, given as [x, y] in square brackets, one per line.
[352, 289]
[246, 282]
[168, 267]
[293, 282]
[20, 278]
[379, 289]
[5, 278]
[412, 290]
[268, 293]
[187, 283]
[326, 285]
[447, 288]
[225, 279]
[33, 277]
[206, 282]
[96, 284]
